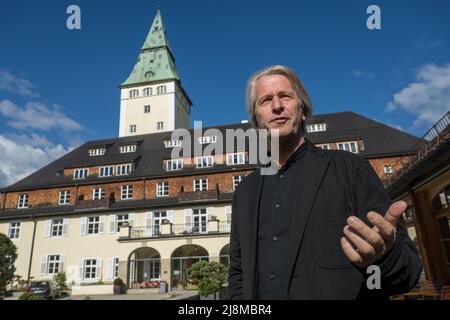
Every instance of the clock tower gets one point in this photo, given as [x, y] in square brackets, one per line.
[152, 98]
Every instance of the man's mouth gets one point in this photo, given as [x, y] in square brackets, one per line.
[279, 120]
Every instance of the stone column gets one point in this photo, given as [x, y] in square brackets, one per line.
[166, 273]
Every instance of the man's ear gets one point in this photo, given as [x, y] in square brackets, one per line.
[303, 117]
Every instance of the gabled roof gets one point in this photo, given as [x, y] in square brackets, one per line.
[379, 140]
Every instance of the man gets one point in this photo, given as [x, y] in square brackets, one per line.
[311, 230]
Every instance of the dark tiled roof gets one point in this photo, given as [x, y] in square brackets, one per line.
[379, 140]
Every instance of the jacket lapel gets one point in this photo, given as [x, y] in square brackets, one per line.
[312, 173]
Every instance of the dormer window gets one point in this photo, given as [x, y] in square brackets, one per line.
[235, 158]
[123, 169]
[173, 143]
[97, 152]
[207, 139]
[317, 127]
[174, 165]
[128, 149]
[80, 173]
[351, 146]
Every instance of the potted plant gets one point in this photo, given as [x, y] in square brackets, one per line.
[119, 286]
[208, 277]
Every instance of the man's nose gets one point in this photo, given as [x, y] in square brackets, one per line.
[277, 105]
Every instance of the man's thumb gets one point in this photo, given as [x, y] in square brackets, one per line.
[395, 211]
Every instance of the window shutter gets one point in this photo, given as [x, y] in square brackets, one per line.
[65, 227]
[80, 264]
[44, 265]
[188, 220]
[228, 214]
[101, 225]
[98, 271]
[149, 224]
[170, 215]
[62, 262]
[83, 225]
[110, 273]
[47, 229]
[209, 212]
[131, 218]
[112, 223]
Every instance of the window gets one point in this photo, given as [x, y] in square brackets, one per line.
[158, 218]
[236, 180]
[97, 152]
[80, 173]
[161, 89]
[200, 184]
[200, 218]
[160, 125]
[147, 109]
[175, 164]
[162, 189]
[324, 146]
[132, 128]
[116, 268]
[348, 146]
[173, 143]
[126, 192]
[235, 158]
[121, 220]
[106, 171]
[57, 228]
[22, 201]
[98, 193]
[128, 149]
[147, 91]
[134, 93]
[93, 225]
[14, 230]
[316, 127]
[64, 197]
[388, 169]
[123, 169]
[54, 264]
[207, 139]
[204, 162]
[90, 269]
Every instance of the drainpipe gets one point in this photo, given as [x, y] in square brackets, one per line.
[32, 247]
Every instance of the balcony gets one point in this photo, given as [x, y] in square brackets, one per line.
[168, 229]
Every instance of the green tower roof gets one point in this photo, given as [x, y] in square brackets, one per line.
[155, 61]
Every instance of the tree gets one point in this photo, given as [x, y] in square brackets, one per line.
[8, 255]
[208, 276]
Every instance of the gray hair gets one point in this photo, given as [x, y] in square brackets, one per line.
[304, 100]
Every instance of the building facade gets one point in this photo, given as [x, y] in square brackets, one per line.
[126, 207]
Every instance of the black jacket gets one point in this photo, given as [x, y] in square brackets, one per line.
[339, 184]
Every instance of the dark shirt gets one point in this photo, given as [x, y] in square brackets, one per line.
[274, 222]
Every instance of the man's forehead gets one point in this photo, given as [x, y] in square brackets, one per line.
[273, 83]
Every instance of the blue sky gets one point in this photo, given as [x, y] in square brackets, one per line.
[58, 88]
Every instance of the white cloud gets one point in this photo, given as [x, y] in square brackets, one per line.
[428, 98]
[12, 83]
[19, 160]
[35, 115]
[363, 74]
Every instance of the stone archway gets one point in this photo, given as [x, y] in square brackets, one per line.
[182, 258]
[144, 268]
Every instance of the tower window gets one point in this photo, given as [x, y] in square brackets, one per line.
[133, 128]
[160, 125]
[134, 93]
[161, 89]
[147, 109]
[148, 91]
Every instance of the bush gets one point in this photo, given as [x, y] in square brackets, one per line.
[8, 255]
[30, 296]
[207, 276]
[118, 282]
[60, 279]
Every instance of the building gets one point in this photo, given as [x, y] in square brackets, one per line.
[125, 207]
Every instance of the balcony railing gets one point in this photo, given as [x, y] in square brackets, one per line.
[435, 137]
[178, 230]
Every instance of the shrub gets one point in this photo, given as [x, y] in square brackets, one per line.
[118, 282]
[30, 296]
[207, 276]
[60, 279]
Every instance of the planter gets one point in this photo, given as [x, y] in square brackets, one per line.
[211, 296]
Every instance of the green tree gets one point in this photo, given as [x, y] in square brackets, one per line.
[60, 279]
[8, 255]
[208, 276]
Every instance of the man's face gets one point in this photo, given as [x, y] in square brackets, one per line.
[277, 105]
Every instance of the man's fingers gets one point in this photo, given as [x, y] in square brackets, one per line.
[395, 211]
[366, 233]
[381, 225]
[350, 252]
[361, 245]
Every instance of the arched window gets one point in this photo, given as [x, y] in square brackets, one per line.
[161, 89]
[148, 92]
[134, 93]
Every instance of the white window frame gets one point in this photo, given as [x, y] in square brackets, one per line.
[324, 146]
[204, 162]
[80, 173]
[174, 164]
[347, 146]
[64, 197]
[128, 148]
[200, 185]
[147, 91]
[237, 180]
[121, 219]
[173, 143]
[22, 201]
[98, 193]
[106, 171]
[57, 229]
[97, 152]
[161, 89]
[134, 93]
[123, 169]
[235, 158]
[93, 221]
[316, 127]
[57, 264]
[388, 169]
[95, 267]
[126, 192]
[14, 230]
[162, 189]
[207, 139]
